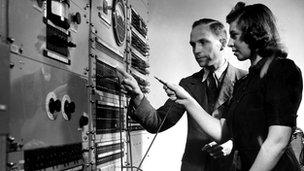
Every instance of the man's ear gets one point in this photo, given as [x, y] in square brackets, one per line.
[223, 42]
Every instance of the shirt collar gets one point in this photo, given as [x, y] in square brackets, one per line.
[218, 72]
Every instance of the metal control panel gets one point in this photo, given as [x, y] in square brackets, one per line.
[63, 106]
[48, 78]
[56, 32]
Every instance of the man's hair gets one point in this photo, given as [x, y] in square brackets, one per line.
[258, 26]
[216, 27]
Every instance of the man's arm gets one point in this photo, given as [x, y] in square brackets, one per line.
[145, 113]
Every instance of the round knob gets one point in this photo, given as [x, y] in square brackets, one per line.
[69, 108]
[54, 105]
[83, 121]
[76, 18]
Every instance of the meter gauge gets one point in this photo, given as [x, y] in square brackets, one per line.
[119, 22]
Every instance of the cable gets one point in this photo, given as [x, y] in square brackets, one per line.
[154, 137]
[130, 147]
[146, 153]
[129, 140]
[128, 133]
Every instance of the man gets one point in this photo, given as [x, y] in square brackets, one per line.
[211, 87]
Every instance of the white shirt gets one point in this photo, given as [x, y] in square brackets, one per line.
[217, 73]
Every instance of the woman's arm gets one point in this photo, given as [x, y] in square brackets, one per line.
[214, 127]
[284, 93]
[273, 148]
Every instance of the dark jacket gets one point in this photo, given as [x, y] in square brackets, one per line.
[194, 158]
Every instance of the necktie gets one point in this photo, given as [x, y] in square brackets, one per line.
[212, 90]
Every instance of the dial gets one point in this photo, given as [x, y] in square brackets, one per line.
[119, 20]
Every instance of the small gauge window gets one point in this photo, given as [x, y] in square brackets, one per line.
[59, 9]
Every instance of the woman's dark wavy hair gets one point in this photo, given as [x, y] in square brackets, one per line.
[259, 30]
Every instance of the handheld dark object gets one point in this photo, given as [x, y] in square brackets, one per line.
[161, 81]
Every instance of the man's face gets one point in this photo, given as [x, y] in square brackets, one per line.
[205, 45]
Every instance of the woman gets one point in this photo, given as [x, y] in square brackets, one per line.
[261, 115]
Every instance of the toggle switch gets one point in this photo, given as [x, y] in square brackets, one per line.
[10, 165]
[71, 44]
[13, 145]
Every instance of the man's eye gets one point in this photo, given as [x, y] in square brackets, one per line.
[202, 42]
[192, 45]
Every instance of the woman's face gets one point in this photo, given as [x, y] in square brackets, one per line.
[239, 47]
